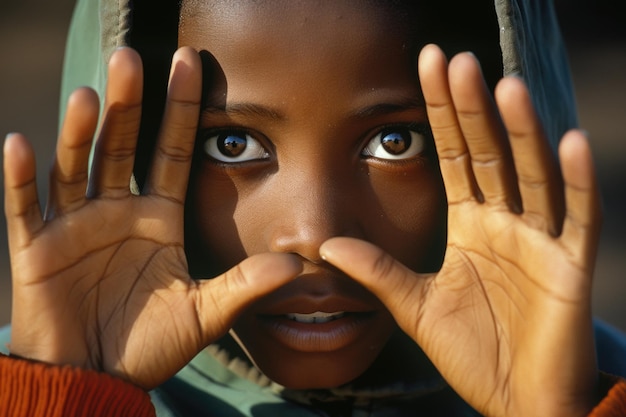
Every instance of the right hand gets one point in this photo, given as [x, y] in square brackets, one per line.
[100, 281]
[507, 318]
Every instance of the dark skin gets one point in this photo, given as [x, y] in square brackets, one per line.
[514, 257]
[314, 179]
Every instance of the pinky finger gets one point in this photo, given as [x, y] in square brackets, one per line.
[581, 228]
[21, 204]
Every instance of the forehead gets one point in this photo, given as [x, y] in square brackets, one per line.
[307, 48]
[274, 13]
[303, 24]
[456, 25]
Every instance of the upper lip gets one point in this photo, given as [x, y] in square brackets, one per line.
[310, 293]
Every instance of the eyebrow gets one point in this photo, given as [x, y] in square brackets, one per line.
[266, 112]
[246, 110]
[382, 109]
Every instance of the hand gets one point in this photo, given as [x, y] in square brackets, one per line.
[101, 280]
[507, 319]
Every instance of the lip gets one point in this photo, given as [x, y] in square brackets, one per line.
[307, 304]
[323, 291]
[318, 292]
[317, 337]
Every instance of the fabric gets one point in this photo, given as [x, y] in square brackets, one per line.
[37, 390]
[219, 382]
[229, 385]
[614, 402]
[216, 383]
[529, 39]
[532, 47]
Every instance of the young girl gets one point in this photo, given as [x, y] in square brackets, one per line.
[382, 243]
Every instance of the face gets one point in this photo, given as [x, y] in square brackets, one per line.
[313, 127]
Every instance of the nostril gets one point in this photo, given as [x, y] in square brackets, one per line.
[317, 260]
[304, 241]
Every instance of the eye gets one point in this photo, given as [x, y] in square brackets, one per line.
[234, 146]
[397, 142]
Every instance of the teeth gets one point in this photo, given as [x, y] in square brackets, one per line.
[317, 317]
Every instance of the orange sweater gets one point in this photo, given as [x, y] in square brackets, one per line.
[39, 390]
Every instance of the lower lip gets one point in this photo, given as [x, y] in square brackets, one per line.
[318, 337]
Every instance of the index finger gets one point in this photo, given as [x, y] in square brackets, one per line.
[169, 174]
[452, 151]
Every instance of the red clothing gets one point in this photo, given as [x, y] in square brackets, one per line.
[614, 402]
[39, 390]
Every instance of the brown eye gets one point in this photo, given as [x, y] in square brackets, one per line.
[231, 145]
[234, 146]
[397, 142]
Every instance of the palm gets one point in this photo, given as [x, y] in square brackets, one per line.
[498, 301]
[507, 318]
[117, 273]
[101, 280]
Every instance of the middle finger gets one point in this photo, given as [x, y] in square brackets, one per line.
[170, 170]
[115, 148]
[484, 133]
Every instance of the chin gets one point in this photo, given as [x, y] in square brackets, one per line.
[317, 371]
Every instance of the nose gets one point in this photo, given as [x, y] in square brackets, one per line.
[311, 207]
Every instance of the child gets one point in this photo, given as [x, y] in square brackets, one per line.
[299, 147]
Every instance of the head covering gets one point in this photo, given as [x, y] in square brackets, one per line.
[529, 37]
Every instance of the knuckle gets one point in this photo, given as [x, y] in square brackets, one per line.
[235, 280]
[382, 266]
[174, 153]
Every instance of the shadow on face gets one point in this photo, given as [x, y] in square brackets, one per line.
[456, 25]
[324, 106]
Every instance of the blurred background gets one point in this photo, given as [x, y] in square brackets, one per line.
[32, 36]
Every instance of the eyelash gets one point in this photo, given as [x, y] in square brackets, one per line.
[417, 131]
[207, 143]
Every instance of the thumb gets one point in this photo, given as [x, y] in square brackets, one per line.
[220, 300]
[400, 289]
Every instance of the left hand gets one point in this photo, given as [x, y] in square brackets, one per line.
[100, 281]
[507, 319]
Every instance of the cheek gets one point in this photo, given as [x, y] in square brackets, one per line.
[404, 212]
[411, 223]
[212, 241]
[226, 220]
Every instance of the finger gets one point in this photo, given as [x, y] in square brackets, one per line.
[581, 227]
[170, 171]
[400, 289]
[68, 180]
[539, 178]
[453, 155]
[222, 299]
[21, 204]
[115, 148]
[483, 132]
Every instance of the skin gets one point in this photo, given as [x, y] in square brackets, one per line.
[315, 183]
[513, 289]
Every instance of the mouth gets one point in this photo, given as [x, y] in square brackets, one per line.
[316, 317]
[318, 313]
[319, 331]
